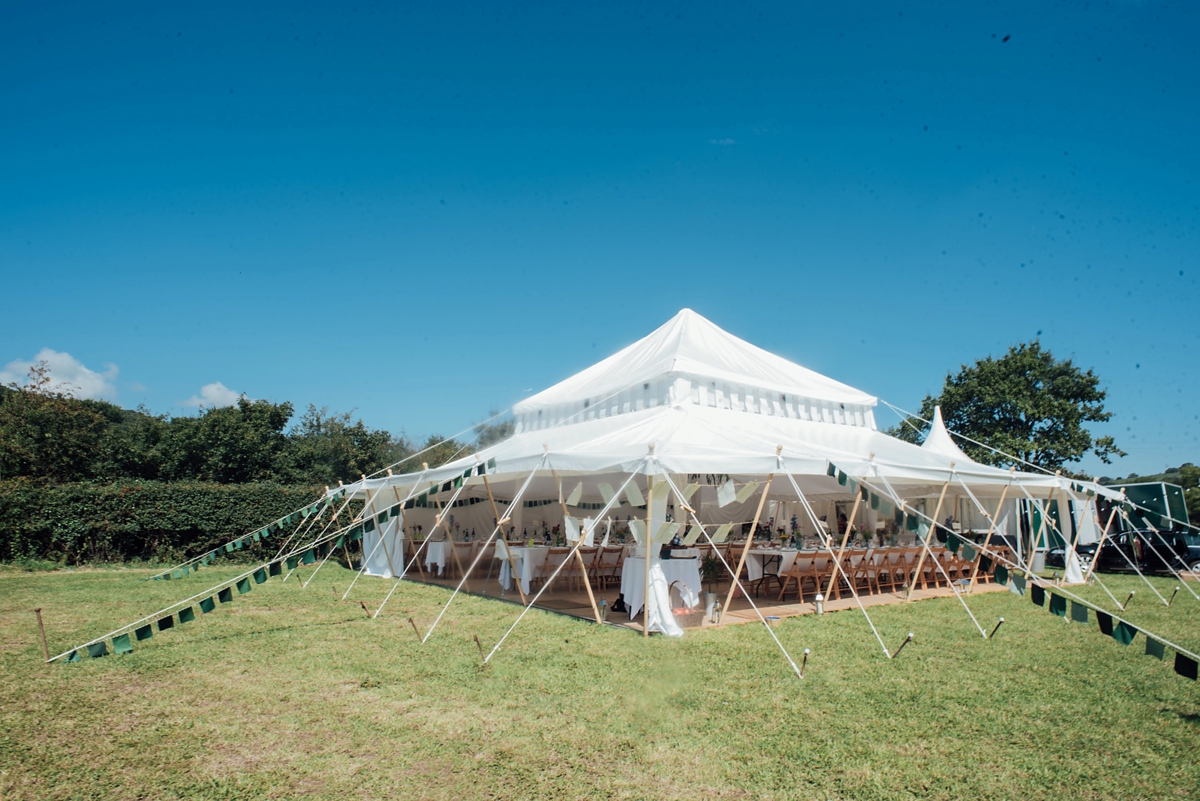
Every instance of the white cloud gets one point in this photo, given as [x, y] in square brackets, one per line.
[67, 374]
[722, 141]
[213, 395]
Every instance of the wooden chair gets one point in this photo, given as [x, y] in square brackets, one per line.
[554, 558]
[461, 555]
[609, 563]
[885, 571]
[589, 555]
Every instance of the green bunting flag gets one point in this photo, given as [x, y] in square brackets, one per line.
[458, 482]
[447, 487]
[165, 623]
[186, 570]
[97, 649]
[229, 547]
[143, 632]
[1037, 594]
[309, 557]
[266, 533]
[243, 586]
[968, 552]
[467, 473]
[207, 605]
[238, 544]
[1001, 574]
[1124, 633]
[275, 569]
[73, 656]
[912, 523]
[1155, 648]
[369, 526]
[862, 491]
[1104, 620]
[394, 511]
[898, 516]
[1058, 605]
[292, 561]
[985, 563]
[953, 542]
[831, 471]
[491, 464]
[1185, 666]
[322, 550]
[885, 508]
[341, 540]
[225, 595]
[479, 470]
[257, 537]
[1018, 584]
[260, 576]
[356, 534]
[382, 518]
[1079, 613]
[164, 577]
[121, 645]
[842, 478]
[433, 490]
[176, 574]
[187, 614]
[875, 502]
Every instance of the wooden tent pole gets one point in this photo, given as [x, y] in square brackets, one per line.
[1103, 537]
[991, 528]
[582, 535]
[749, 544]
[512, 571]
[845, 539]
[912, 583]
[647, 536]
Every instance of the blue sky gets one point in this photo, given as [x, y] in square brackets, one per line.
[421, 212]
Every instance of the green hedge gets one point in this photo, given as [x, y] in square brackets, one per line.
[129, 520]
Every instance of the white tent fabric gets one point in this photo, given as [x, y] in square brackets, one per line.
[702, 405]
[939, 441]
[385, 558]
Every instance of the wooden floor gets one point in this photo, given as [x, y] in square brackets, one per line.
[574, 601]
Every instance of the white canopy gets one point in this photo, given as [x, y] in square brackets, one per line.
[938, 440]
[709, 404]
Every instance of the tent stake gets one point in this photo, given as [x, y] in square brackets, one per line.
[907, 640]
[998, 625]
[42, 631]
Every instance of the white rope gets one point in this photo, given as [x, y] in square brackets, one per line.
[827, 541]
[732, 572]
[1159, 555]
[499, 525]
[440, 518]
[608, 506]
[412, 491]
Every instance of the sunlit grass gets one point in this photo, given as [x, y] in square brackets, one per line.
[288, 691]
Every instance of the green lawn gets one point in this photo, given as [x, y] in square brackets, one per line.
[288, 692]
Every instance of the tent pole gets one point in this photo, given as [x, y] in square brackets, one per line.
[1103, 537]
[991, 528]
[845, 539]
[582, 537]
[1040, 532]
[912, 584]
[648, 536]
[749, 542]
[512, 571]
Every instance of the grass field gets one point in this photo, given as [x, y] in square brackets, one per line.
[287, 692]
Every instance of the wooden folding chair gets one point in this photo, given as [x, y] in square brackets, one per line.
[554, 558]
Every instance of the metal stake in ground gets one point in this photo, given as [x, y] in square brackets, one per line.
[42, 631]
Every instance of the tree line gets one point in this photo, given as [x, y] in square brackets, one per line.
[46, 433]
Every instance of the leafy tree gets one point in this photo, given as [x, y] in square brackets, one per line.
[487, 434]
[326, 447]
[231, 444]
[1026, 403]
[45, 431]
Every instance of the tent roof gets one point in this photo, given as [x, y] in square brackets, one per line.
[939, 441]
[689, 344]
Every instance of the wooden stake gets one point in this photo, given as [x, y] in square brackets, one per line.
[749, 543]
[912, 584]
[42, 631]
[512, 568]
[845, 539]
[991, 528]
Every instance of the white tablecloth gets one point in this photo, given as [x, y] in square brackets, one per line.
[437, 553]
[758, 556]
[529, 564]
[633, 579]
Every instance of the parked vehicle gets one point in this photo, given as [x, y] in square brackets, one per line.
[1152, 552]
[1057, 557]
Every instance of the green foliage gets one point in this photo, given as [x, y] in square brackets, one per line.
[91, 521]
[326, 447]
[487, 434]
[1026, 403]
